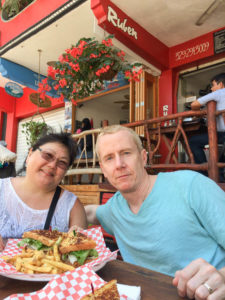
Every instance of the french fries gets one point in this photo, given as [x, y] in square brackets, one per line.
[37, 261]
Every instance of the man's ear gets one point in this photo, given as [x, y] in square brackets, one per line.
[102, 168]
[144, 156]
[221, 85]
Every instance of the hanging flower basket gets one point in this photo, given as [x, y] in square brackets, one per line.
[81, 70]
[11, 8]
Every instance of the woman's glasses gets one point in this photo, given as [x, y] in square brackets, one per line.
[49, 157]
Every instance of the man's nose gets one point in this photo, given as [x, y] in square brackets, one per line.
[119, 161]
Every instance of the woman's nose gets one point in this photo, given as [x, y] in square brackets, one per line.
[53, 163]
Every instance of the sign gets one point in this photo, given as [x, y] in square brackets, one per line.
[14, 89]
[122, 24]
[113, 20]
[219, 41]
[22, 75]
[192, 50]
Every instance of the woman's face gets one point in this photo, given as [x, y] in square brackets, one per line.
[48, 164]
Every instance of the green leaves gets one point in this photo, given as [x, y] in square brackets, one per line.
[34, 244]
[34, 130]
[86, 66]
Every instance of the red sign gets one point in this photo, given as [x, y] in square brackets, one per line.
[130, 33]
[192, 50]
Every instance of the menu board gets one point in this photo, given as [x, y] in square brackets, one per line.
[219, 41]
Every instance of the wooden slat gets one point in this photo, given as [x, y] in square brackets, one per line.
[83, 171]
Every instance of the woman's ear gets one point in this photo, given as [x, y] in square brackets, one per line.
[29, 154]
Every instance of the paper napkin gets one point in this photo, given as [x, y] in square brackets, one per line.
[70, 285]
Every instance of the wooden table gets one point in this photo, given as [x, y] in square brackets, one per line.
[154, 286]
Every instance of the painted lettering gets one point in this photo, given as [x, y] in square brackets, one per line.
[183, 54]
[115, 20]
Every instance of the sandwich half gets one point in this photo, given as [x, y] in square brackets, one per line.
[41, 239]
[77, 249]
[108, 291]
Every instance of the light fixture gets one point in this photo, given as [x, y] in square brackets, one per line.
[208, 12]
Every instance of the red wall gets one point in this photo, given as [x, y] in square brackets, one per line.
[31, 15]
[17, 109]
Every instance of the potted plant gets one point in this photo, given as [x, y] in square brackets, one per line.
[11, 8]
[82, 69]
[34, 130]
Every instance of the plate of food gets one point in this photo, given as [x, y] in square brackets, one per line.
[43, 254]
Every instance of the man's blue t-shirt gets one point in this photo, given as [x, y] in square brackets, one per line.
[182, 219]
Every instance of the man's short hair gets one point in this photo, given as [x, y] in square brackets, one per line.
[219, 78]
[116, 128]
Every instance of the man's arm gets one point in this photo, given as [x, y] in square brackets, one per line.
[91, 214]
[199, 280]
[195, 105]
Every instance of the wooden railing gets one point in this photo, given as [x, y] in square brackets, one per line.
[177, 131]
[82, 164]
[156, 135]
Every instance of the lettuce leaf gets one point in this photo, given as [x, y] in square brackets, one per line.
[80, 255]
[34, 244]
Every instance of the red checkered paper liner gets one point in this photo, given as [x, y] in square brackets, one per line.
[70, 285]
[95, 233]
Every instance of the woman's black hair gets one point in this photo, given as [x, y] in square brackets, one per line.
[86, 124]
[62, 138]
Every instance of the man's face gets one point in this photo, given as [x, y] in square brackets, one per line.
[216, 86]
[121, 162]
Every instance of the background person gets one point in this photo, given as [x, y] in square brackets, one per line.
[25, 201]
[166, 222]
[85, 125]
[198, 142]
[7, 161]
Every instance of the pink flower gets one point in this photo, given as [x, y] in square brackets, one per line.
[62, 82]
[51, 72]
[61, 98]
[62, 72]
[74, 101]
[107, 42]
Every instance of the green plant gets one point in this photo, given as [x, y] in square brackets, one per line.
[11, 8]
[34, 130]
[82, 69]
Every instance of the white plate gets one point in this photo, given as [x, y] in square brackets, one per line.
[42, 277]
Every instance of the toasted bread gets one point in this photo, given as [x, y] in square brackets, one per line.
[75, 243]
[108, 291]
[46, 237]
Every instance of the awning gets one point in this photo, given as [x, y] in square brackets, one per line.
[22, 75]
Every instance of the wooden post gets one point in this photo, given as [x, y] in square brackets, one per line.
[213, 143]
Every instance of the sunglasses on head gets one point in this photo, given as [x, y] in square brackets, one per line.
[49, 157]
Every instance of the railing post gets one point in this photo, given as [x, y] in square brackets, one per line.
[213, 143]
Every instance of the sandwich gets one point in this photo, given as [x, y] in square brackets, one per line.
[108, 291]
[41, 239]
[77, 249]
[74, 248]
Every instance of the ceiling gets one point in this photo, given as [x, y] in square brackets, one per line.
[171, 21]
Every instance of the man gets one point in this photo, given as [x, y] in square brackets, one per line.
[163, 222]
[197, 142]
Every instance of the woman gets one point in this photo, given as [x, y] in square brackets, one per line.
[85, 125]
[25, 201]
